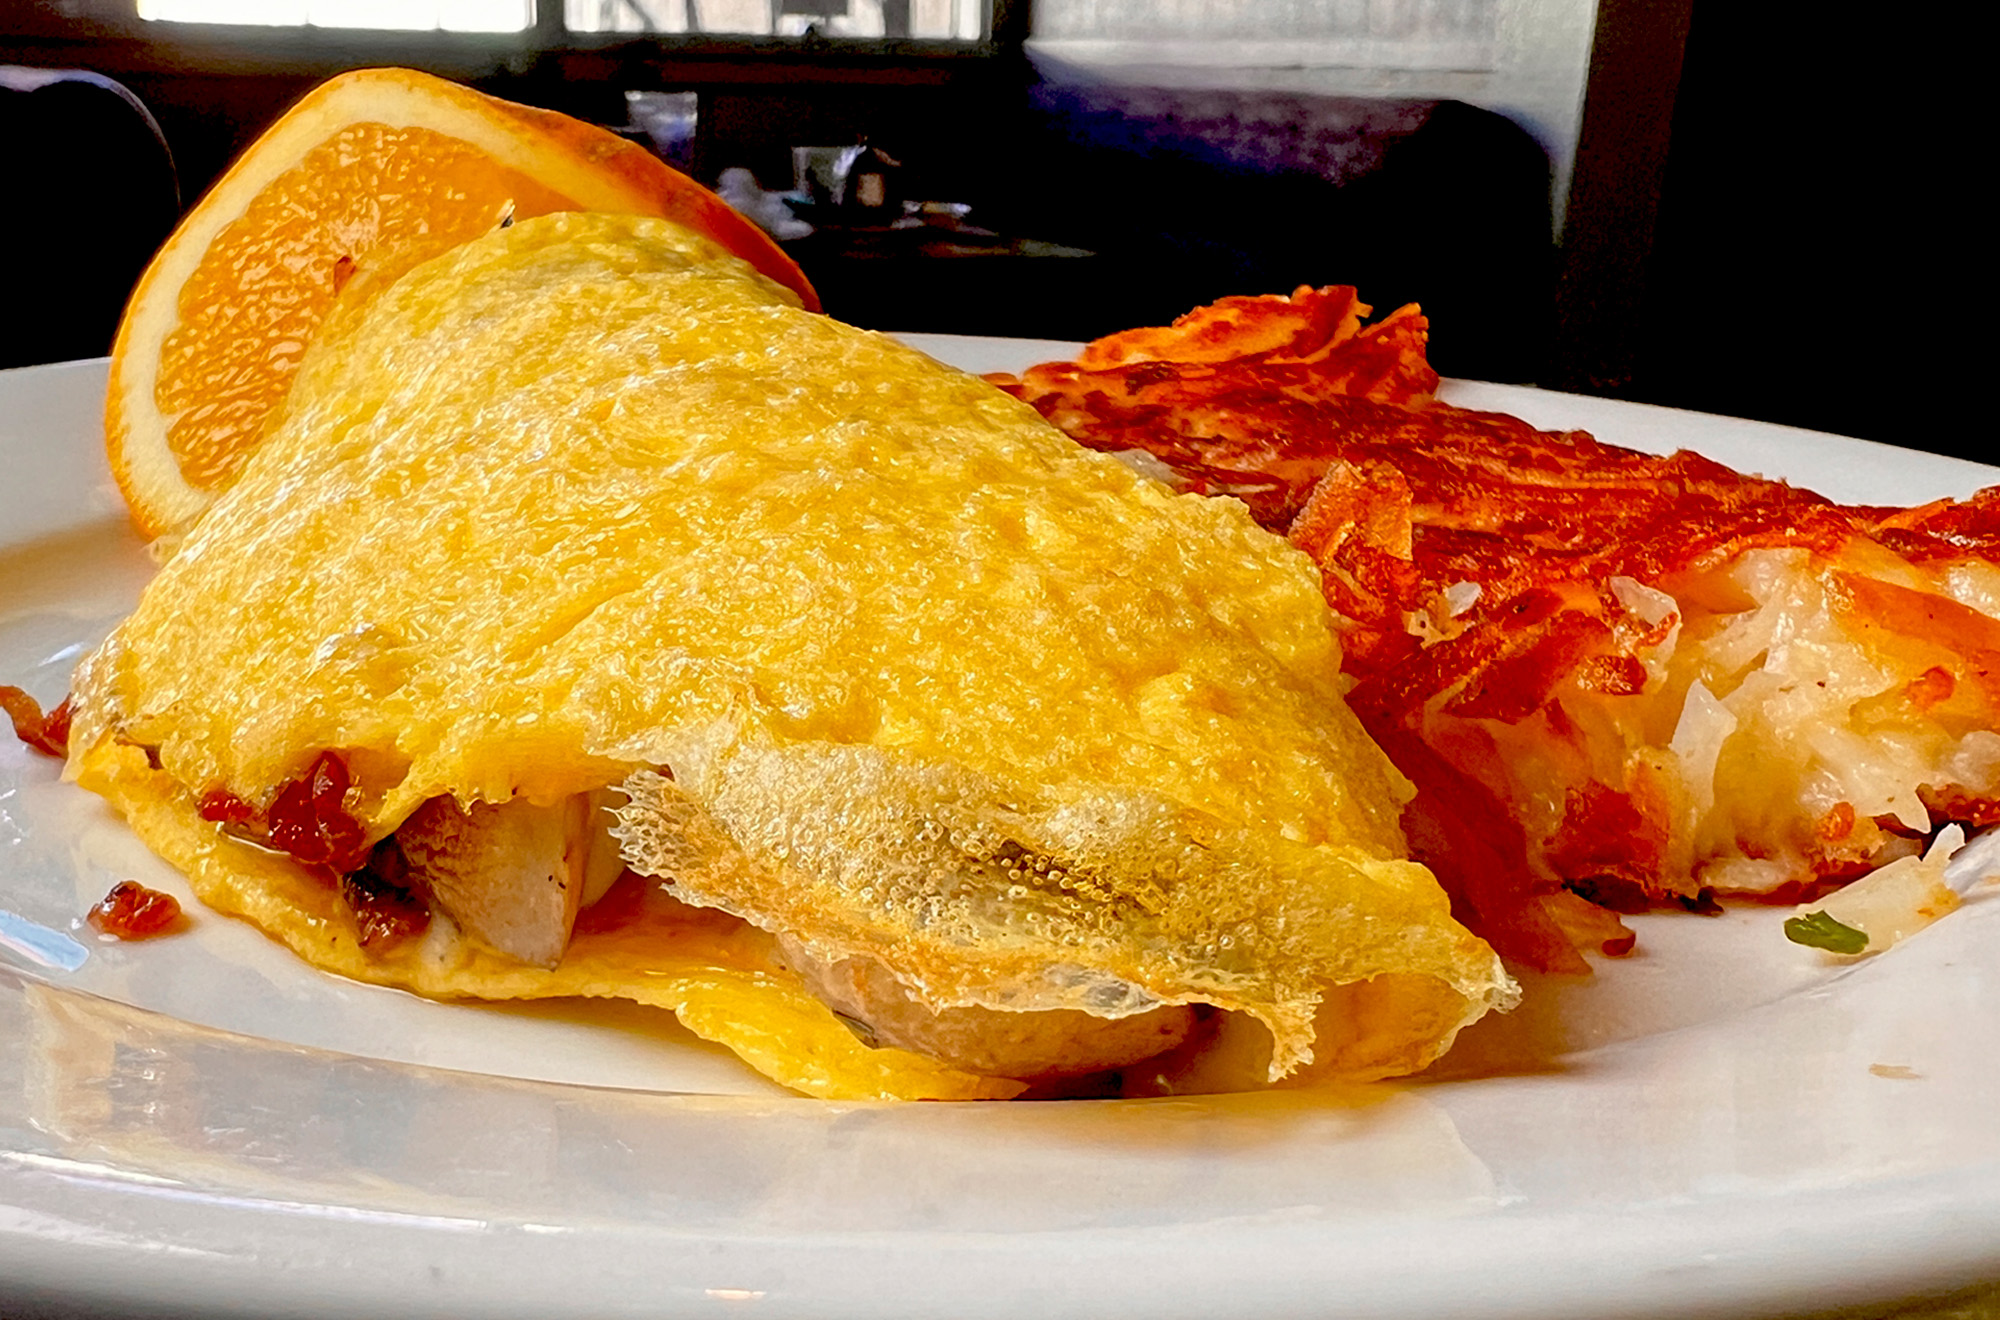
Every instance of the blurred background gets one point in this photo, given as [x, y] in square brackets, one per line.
[1714, 205]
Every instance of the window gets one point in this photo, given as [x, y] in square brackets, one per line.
[934, 20]
[961, 20]
[418, 15]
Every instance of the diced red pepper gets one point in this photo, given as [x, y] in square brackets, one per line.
[309, 819]
[48, 734]
[131, 911]
[225, 808]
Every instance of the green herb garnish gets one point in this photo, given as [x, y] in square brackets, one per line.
[1819, 931]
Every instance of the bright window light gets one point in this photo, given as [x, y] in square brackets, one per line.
[963, 20]
[407, 15]
[960, 20]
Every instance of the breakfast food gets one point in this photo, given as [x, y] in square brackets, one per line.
[595, 621]
[132, 911]
[370, 174]
[1614, 677]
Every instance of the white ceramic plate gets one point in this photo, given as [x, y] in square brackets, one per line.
[1723, 1124]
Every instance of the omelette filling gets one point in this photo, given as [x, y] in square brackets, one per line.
[515, 877]
[595, 622]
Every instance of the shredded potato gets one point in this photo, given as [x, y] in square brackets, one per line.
[1641, 679]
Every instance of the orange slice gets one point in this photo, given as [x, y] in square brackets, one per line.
[374, 171]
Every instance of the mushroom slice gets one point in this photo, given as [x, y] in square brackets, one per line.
[513, 874]
[1045, 1043]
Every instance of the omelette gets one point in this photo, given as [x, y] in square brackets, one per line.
[597, 622]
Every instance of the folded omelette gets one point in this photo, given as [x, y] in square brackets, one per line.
[596, 622]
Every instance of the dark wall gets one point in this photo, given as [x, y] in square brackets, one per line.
[1814, 263]
[89, 194]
